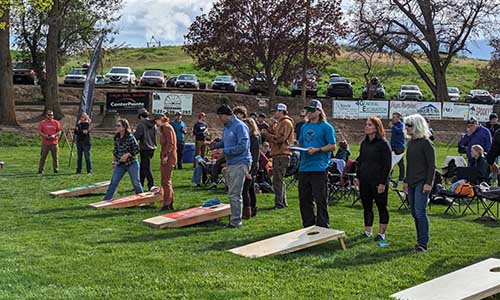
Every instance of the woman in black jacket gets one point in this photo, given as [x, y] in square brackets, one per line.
[83, 143]
[374, 166]
[249, 196]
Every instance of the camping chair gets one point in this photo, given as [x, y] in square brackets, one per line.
[402, 196]
[451, 163]
[488, 197]
[341, 184]
[470, 175]
[292, 172]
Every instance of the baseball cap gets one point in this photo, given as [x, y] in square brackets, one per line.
[472, 120]
[314, 105]
[141, 111]
[493, 116]
[224, 110]
[281, 106]
[178, 113]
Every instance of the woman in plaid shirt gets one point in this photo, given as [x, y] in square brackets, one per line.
[124, 159]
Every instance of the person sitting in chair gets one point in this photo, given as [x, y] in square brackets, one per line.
[343, 153]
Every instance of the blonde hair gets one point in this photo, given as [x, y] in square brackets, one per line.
[420, 127]
[252, 126]
[479, 149]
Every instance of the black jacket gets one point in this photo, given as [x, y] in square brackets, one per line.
[492, 128]
[81, 137]
[495, 148]
[145, 133]
[255, 151]
[199, 130]
[374, 161]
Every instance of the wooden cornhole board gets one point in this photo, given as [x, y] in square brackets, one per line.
[189, 216]
[82, 190]
[291, 242]
[471, 283]
[129, 201]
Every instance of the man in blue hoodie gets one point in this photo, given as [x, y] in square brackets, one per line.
[476, 134]
[236, 146]
[398, 142]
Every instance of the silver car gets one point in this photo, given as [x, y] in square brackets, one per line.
[76, 76]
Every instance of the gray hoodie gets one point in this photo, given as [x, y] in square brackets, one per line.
[145, 133]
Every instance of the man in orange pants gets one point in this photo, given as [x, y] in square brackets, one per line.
[168, 159]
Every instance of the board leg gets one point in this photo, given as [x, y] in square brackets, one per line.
[342, 244]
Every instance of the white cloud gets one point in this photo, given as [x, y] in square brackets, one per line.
[166, 20]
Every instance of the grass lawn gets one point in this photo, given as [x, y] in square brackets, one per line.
[60, 249]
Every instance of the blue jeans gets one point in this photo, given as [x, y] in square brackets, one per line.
[118, 172]
[81, 150]
[418, 203]
[197, 174]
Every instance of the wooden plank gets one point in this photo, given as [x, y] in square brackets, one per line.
[82, 190]
[291, 242]
[189, 216]
[474, 282]
[129, 201]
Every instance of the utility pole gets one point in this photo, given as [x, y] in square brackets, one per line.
[305, 64]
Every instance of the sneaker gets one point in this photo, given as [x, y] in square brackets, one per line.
[367, 234]
[379, 238]
[165, 208]
[56, 171]
[420, 248]
[231, 226]
[195, 185]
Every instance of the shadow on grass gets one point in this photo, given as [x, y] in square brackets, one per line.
[24, 175]
[493, 223]
[120, 213]
[369, 257]
[443, 266]
[58, 210]
[166, 234]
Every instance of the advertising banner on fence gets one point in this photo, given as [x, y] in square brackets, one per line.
[125, 102]
[481, 112]
[431, 110]
[170, 103]
[368, 108]
[455, 111]
[345, 109]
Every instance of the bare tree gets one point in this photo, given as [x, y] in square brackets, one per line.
[243, 37]
[425, 31]
[489, 76]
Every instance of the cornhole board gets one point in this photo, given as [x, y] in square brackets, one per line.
[291, 242]
[129, 201]
[474, 282]
[189, 216]
[82, 190]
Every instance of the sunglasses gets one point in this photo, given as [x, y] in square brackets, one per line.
[118, 125]
[409, 125]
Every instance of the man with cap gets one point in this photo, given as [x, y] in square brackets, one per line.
[236, 147]
[49, 130]
[476, 134]
[318, 136]
[200, 132]
[145, 134]
[299, 124]
[493, 125]
[280, 136]
[398, 142]
[180, 130]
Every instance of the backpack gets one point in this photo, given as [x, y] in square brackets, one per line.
[465, 189]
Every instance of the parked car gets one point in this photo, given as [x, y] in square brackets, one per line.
[187, 81]
[171, 81]
[333, 75]
[224, 83]
[479, 96]
[497, 98]
[339, 87]
[23, 73]
[258, 84]
[120, 75]
[76, 76]
[152, 78]
[410, 92]
[377, 89]
[453, 94]
[99, 80]
[311, 84]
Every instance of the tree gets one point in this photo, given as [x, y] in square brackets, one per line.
[425, 31]
[489, 76]
[7, 103]
[84, 22]
[243, 37]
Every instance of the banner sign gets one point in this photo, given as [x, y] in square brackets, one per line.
[127, 102]
[453, 110]
[368, 108]
[345, 110]
[88, 88]
[481, 112]
[430, 110]
[171, 103]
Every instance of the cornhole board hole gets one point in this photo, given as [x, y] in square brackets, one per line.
[474, 282]
[129, 201]
[82, 190]
[189, 216]
[291, 242]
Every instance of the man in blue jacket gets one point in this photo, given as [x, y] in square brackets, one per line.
[236, 146]
[180, 130]
[398, 142]
[476, 134]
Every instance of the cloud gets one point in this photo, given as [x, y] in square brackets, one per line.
[166, 20]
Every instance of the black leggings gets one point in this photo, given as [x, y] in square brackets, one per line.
[145, 171]
[249, 196]
[368, 193]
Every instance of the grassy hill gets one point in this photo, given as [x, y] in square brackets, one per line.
[172, 60]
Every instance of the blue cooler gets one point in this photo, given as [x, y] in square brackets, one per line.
[188, 153]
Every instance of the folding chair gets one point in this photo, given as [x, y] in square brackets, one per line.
[488, 198]
[457, 200]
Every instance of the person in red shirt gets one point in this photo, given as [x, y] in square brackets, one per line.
[49, 130]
